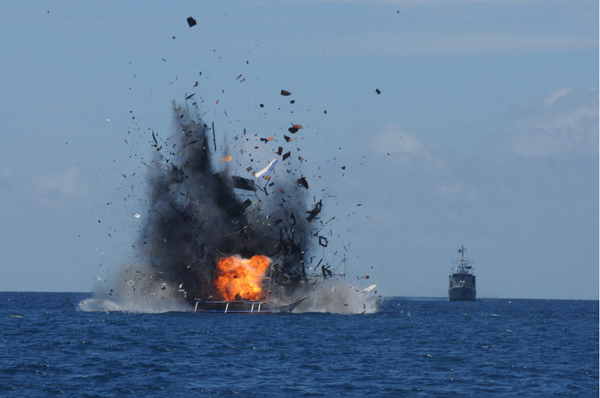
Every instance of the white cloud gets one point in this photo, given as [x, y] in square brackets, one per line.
[54, 189]
[393, 141]
[557, 94]
[566, 121]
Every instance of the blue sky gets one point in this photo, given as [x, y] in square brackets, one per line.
[485, 132]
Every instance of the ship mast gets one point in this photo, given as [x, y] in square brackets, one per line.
[463, 266]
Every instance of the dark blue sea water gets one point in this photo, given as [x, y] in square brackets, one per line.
[412, 348]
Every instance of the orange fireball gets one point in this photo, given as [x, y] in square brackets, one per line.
[238, 277]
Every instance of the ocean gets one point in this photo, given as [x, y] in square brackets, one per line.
[411, 347]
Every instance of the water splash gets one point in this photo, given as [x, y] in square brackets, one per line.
[339, 297]
[136, 288]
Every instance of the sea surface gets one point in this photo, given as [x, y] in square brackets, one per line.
[410, 348]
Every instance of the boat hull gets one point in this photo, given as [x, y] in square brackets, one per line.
[462, 294]
[244, 306]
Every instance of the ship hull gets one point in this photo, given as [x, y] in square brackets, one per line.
[461, 294]
[244, 306]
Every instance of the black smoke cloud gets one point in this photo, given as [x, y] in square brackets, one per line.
[199, 213]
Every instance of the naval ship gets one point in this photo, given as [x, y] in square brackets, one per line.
[462, 281]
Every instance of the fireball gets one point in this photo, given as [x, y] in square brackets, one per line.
[238, 277]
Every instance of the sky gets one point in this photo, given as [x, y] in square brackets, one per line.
[484, 132]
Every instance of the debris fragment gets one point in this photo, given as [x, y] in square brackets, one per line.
[315, 211]
[267, 139]
[378, 91]
[191, 21]
[243, 183]
[323, 241]
[293, 130]
[246, 203]
[302, 182]
[288, 139]
[264, 173]
[190, 143]
[286, 155]
[285, 93]
[190, 96]
[227, 159]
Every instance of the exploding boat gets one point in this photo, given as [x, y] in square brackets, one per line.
[229, 242]
[462, 280]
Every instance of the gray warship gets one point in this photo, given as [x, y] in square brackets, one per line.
[462, 285]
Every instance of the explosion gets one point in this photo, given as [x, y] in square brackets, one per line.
[241, 278]
[199, 209]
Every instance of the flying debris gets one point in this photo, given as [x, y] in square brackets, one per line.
[326, 271]
[378, 91]
[294, 129]
[243, 183]
[323, 241]
[302, 182]
[264, 173]
[227, 159]
[285, 93]
[191, 21]
[315, 211]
